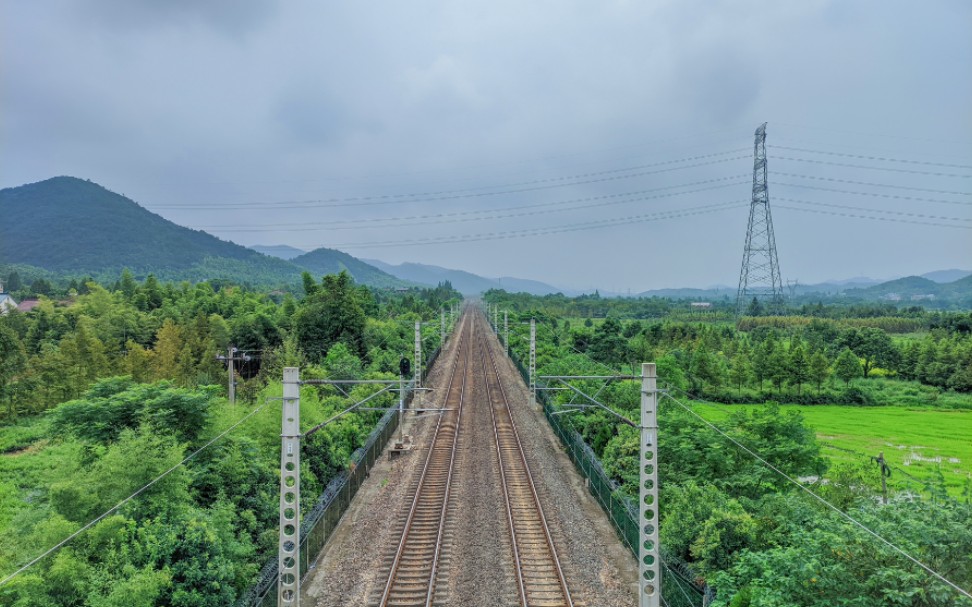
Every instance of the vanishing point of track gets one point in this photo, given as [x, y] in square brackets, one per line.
[533, 559]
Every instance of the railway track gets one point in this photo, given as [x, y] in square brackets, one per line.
[415, 569]
[540, 577]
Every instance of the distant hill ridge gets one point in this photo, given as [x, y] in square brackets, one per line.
[466, 283]
[74, 226]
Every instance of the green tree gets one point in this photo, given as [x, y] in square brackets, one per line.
[13, 358]
[741, 369]
[874, 347]
[127, 284]
[798, 366]
[819, 369]
[330, 315]
[847, 366]
[310, 286]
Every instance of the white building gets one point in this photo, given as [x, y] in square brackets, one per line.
[7, 303]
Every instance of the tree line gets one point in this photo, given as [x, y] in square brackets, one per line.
[107, 389]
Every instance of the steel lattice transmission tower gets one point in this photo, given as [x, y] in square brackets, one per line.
[760, 274]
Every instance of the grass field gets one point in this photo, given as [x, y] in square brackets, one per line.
[915, 442]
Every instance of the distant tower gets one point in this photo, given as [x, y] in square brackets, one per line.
[760, 273]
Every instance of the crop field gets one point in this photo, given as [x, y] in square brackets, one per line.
[915, 442]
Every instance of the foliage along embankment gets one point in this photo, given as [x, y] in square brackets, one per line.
[108, 389]
[738, 526]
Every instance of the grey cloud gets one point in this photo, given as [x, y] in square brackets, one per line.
[233, 17]
[242, 101]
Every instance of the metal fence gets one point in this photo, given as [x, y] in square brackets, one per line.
[321, 520]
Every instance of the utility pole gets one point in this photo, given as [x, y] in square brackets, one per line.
[288, 563]
[649, 579]
[495, 320]
[506, 331]
[229, 359]
[418, 354]
[442, 331]
[533, 358]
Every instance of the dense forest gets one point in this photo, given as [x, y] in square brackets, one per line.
[106, 386]
[739, 528]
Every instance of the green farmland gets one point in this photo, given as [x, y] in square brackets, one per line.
[915, 442]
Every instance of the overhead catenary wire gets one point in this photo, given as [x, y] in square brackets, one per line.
[815, 496]
[138, 492]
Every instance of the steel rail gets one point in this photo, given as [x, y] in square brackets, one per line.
[462, 352]
[555, 560]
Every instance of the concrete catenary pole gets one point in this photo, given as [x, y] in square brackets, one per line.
[649, 578]
[533, 359]
[288, 564]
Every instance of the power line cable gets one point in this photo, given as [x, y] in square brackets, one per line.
[714, 208]
[803, 487]
[144, 487]
[844, 146]
[855, 216]
[468, 216]
[461, 194]
[884, 135]
[902, 213]
[510, 208]
[871, 168]
[872, 184]
[866, 157]
[875, 194]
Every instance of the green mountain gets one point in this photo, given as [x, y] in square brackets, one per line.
[330, 261]
[919, 291]
[278, 250]
[74, 227]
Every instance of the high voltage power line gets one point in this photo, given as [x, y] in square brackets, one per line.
[701, 210]
[873, 168]
[554, 182]
[489, 214]
[866, 157]
[872, 184]
[866, 210]
[857, 216]
[875, 194]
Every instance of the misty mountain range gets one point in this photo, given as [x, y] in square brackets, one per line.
[73, 227]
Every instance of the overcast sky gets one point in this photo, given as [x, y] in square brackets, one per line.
[587, 144]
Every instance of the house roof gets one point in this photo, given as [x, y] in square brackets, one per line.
[28, 304]
[6, 303]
